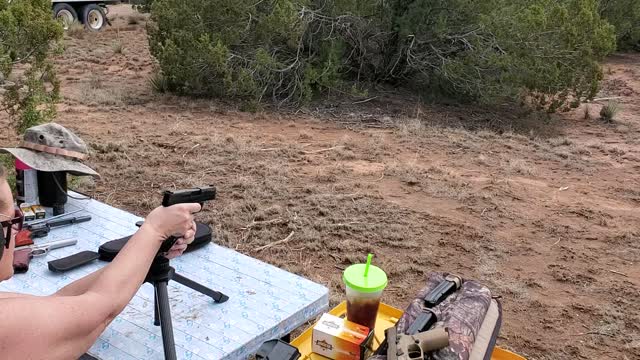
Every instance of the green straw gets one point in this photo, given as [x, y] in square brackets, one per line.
[366, 268]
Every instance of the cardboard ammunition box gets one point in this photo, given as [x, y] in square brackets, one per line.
[29, 215]
[39, 211]
[339, 339]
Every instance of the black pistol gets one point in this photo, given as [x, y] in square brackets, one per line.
[196, 195]
[41, 229]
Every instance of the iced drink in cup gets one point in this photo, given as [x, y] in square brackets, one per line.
[364, 283]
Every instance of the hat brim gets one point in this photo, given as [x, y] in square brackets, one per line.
[48, 162]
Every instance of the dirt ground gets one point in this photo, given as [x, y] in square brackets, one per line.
[545, 211]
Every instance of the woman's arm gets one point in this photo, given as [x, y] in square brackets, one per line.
[65, 326]
[80, 286]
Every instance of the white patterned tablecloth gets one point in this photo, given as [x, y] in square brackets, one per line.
[265, 302]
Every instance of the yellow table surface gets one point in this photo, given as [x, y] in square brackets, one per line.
[388, 316]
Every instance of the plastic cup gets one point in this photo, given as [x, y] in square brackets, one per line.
[364, 283]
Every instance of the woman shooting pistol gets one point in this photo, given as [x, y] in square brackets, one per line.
[65, 325]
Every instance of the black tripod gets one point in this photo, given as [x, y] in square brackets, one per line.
[159, 275]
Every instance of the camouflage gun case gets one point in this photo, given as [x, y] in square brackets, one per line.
[471, 315]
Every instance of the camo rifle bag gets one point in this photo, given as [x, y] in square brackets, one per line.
[471, 315]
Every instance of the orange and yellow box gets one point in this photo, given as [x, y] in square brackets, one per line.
[39, 211]
[339, 339]
[29, 214]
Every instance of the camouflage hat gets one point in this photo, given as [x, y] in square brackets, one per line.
[52, 147]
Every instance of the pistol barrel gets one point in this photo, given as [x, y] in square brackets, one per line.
[196, 195]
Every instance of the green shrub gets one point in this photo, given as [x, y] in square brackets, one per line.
[624, 15]
[28, 34]
[143, 6]
[546, 52]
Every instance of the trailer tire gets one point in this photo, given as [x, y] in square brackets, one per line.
[66, 13]
[94, 17]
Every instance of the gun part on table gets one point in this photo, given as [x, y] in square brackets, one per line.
[42, 229]
[22, 257]
[43, 249]
[54, 217]
[414, 347]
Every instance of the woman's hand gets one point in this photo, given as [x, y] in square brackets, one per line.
[176, 220]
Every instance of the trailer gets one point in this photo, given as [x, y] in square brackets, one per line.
[93, 14]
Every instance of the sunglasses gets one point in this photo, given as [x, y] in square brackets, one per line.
[15, 223]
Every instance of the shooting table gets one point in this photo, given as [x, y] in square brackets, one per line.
[265, 302]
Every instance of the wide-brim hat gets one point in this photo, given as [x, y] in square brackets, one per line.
[52, 147]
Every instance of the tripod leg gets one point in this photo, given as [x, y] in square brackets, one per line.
[162, 297]
[215, 295]
[156, 316]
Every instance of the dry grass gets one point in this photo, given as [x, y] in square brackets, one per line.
[623, 129]
[95, 92]
[595, 145]
[516, 289]
[377, 146]
[159, 83]
[411, 126]
[521, 167]
[580, 150]
[76, 30]
[632, 157]
[117, 47]
[617, 151]
[562, 154]
[486, 134]
[135, 19]
[304, 135]
[449, 189]
[560, 141]
[102, 96]
[609, 111]
[96, 81]
[482, 160]
[587, 112]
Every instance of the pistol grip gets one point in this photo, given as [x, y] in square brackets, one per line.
[167, 244]
[423, 322]
[38, 233]
[21, 259]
